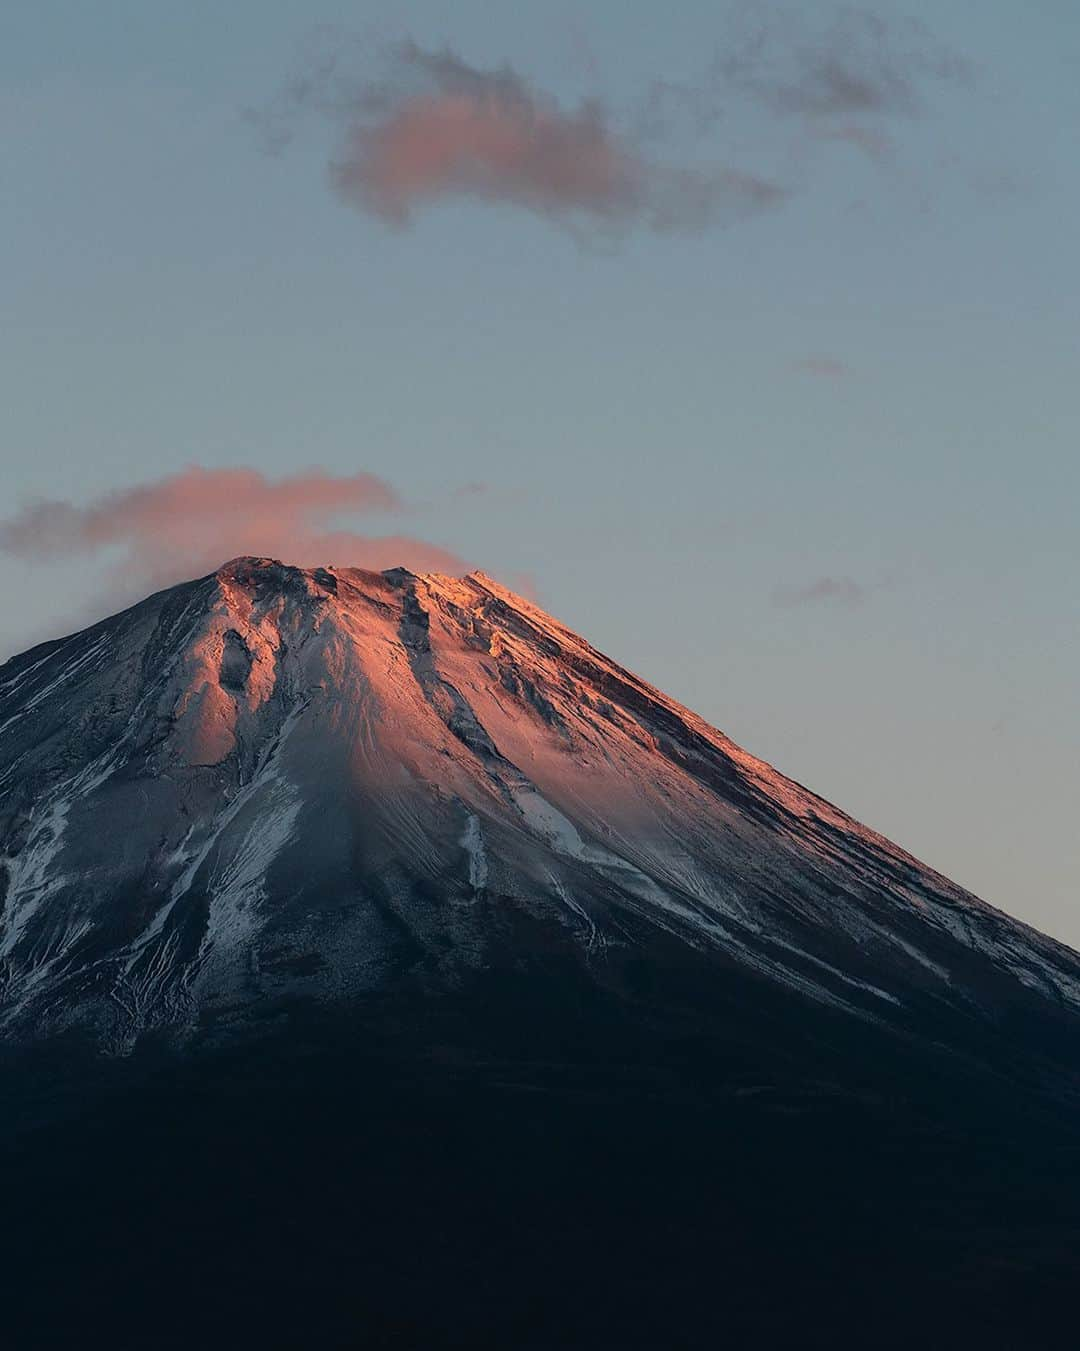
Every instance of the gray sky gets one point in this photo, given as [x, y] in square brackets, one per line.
[747, 340]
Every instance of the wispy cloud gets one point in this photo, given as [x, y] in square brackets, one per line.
[823, 367]
[874, 142]
[187, 524]
[841, 63]
[843, 591]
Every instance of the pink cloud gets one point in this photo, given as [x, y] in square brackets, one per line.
[489, 145]
[189, 523]
[432, 127]
[420, 126]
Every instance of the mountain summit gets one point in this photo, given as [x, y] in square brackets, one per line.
[373, 938]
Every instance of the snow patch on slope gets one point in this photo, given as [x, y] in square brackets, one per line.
[65, 677]
[32, 874]
[237, 883]
[472, 841]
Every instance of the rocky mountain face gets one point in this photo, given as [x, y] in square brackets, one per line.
[358, 913]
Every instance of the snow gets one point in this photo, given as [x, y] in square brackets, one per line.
[232, 869]
[34, 874]
[236, 879]
[594, 938]
[66, 676]
[472, 841]
[562, 835]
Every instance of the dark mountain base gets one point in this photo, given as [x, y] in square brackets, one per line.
[502, 1170]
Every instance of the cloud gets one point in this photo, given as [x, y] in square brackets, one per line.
[417, 126]
[430, 127]
[824, 367]
[838, 76]
[875, 144]
[824, 590]
[853, 63]
[187, 524]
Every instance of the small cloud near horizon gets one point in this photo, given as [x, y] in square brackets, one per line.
[823, 590]
[187, 524]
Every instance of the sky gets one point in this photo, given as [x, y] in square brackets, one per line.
[744, 339]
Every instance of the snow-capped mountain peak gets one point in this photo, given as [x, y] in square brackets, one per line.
[318, 782]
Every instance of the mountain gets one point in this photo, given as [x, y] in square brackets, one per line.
[372, 937]
[276, 783]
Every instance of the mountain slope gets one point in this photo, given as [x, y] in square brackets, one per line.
[454, 980]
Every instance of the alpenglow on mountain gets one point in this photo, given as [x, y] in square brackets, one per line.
[423, 851]
[275, 780]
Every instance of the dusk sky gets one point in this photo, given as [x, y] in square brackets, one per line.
[745, 341]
